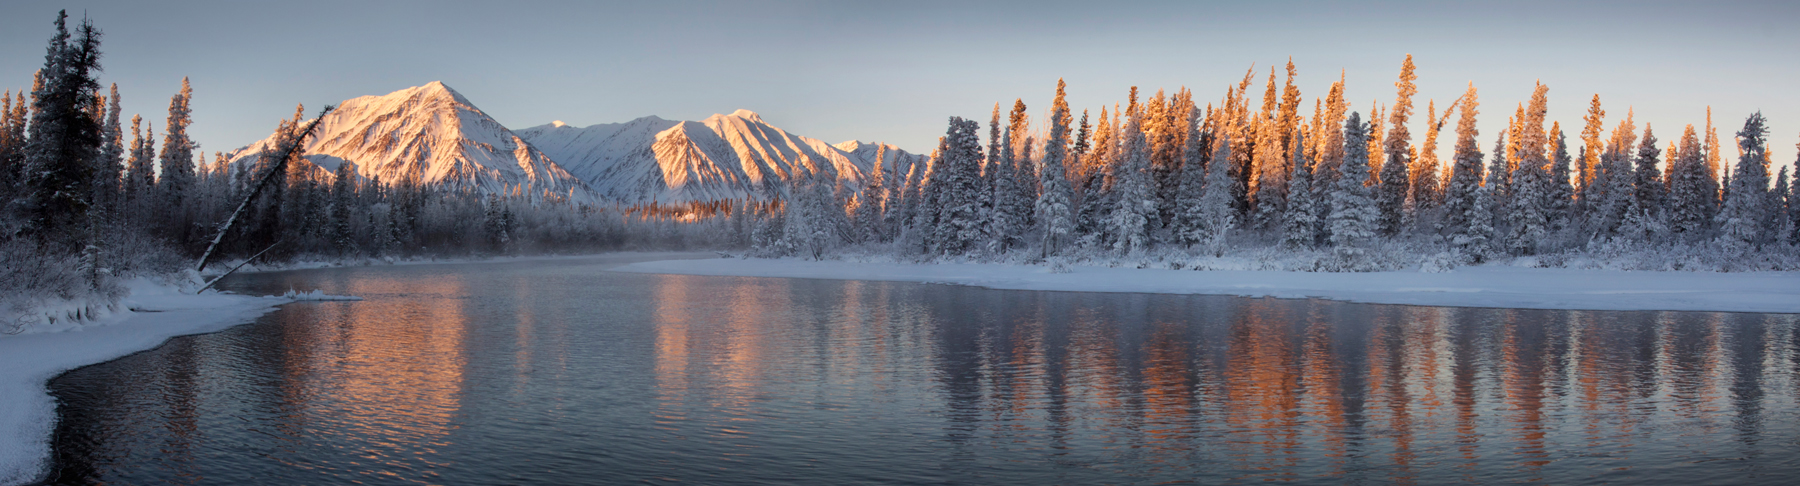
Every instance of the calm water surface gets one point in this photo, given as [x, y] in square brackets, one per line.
[563, 373]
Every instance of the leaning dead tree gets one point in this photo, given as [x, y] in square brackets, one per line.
[287, 152]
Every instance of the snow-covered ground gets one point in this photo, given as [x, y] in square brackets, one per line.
[1478, 286]
[150, 315]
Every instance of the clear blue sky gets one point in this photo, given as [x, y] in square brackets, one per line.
[893, 71]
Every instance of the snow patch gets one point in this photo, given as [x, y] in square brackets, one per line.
[151, 314]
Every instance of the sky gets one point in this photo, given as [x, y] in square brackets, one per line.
[895, 71]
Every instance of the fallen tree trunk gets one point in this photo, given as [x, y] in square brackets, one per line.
[280, 166]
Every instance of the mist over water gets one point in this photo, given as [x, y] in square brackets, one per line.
[561, 373]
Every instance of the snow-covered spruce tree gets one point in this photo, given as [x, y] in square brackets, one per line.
[1562, 191]
[1186, 226]
[1130, 220]
[1593, 125]
[140, 175]
[1396, 178]
[177, 164]
[766, 239]
[1427, 190]
[1214, 214]
[1744, 218]
[1688, 192]
[1169, 153]
[1299, 220]
[1460, 196]
[919, 233]
[1096, 196]
[1054, 206]
[1331, 143]
[1792, 199]
[12, 149]
[1614, 181]
[343, 200]
[995, 183]
[1024, 188]
[64, 143]
[1353, 213]
[1499, 179]
[1647, 178]
[111, 164]
[1003, 224]
[960, 222]
[1270, 199]
[809, 221]
[871, 200]
[496, 225]
[1528, 209]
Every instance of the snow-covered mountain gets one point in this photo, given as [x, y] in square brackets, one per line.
[722, 157]
[436, 135]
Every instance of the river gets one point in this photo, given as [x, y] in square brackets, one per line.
[560, 372]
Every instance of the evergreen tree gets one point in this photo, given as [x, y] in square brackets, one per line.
[140, 172]
[1615, 180]
[960, 214]
[1593, 126]
[1271, 174]
[872, 200]
[1395, 176]
[1214, 213]
[1745, 216]
[1793, 206]
[1562, 193]
[1353, 214]
[65, 141]
[1300, 218]
[1131, 218]
[1003, 224]
[1781, 208]
[1054, 205]
[1648, 178]
[1529, 219]
[1464, 200]
[1025, 171]
[1427, 191]
[111, 165]
[1499, 182]
[1688, 192]
[1188, 226]
[177, 164]
[343, 199]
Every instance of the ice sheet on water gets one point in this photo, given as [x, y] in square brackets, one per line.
[317, 295]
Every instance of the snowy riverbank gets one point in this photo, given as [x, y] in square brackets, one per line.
[28, 361]
[1478, 286]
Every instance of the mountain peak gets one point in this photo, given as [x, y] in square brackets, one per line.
[558, 123]
[747, 114]
[433, 135]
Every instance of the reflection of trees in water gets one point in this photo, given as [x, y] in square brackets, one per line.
[1130, 385]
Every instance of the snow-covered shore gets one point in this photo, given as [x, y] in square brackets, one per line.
[1478, 286]
[150, 315]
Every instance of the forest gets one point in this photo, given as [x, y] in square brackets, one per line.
[1163, 182]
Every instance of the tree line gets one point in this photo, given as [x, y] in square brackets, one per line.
[1166, 177]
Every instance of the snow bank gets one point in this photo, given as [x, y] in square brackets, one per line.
[1481, 286]
[150, 315]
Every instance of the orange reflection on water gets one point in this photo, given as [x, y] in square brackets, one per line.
[1263, 386]
[401, 367]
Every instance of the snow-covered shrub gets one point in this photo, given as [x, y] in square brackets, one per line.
[1440, 262]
